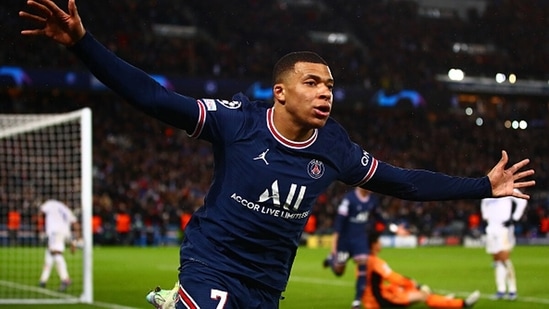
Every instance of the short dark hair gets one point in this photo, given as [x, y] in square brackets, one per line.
[288, 61]
[373, 237]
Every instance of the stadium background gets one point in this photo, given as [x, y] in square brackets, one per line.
[390, 60]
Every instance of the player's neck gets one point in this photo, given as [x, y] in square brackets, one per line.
[289, 128]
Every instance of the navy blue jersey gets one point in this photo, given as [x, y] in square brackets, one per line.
[264, 185]
[354, 216]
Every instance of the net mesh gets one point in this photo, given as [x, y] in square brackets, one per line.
[40, 159]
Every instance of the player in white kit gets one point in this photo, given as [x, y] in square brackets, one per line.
[500, 215]
[58, 222]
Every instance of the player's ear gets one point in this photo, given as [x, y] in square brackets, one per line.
[278, 93]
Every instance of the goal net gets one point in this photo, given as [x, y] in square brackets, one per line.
[43, 156]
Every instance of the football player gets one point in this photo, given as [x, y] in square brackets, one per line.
[500, 215]
[386, 288]
[271, 163]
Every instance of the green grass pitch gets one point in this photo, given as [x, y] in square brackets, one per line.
[123, 275]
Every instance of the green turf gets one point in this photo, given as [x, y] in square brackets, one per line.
[122, 276]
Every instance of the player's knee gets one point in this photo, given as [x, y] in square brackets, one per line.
[338, 271]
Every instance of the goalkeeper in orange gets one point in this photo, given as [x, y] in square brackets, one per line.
[386, 288]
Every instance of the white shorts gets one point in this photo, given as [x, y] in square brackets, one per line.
[57, 241]
[502, 239]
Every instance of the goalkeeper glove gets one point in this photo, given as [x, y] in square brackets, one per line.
[424, 288]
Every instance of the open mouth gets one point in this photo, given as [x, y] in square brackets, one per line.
[323, 110]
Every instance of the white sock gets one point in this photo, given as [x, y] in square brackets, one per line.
[501, 276]
[46, 269]
[511, 279]
[61, 267]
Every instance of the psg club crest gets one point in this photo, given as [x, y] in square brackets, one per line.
[315, 169]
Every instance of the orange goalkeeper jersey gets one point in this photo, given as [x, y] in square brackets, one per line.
[388, 289]
[384, 285]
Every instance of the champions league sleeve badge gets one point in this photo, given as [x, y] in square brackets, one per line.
[230, 104]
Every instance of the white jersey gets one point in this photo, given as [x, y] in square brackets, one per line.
[498, 210]
[59, 217]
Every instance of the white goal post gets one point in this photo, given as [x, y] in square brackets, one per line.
[44, 156]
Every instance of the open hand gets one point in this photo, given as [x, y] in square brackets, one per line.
[504, 181]
[64, 28]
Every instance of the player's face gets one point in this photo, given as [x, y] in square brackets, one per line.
[308, 94]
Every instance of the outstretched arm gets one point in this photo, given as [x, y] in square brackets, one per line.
[63, 27]
[129, 82]
[423, 185]
[504, 181]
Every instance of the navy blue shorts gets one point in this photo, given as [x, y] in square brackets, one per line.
[351, 249]
[206, 288]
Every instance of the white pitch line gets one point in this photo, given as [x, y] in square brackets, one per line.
[59, 295]
[111, 306]
[524, 299]
[336, 282]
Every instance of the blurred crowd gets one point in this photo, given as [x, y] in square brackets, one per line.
[388, 43]
[157, 175]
